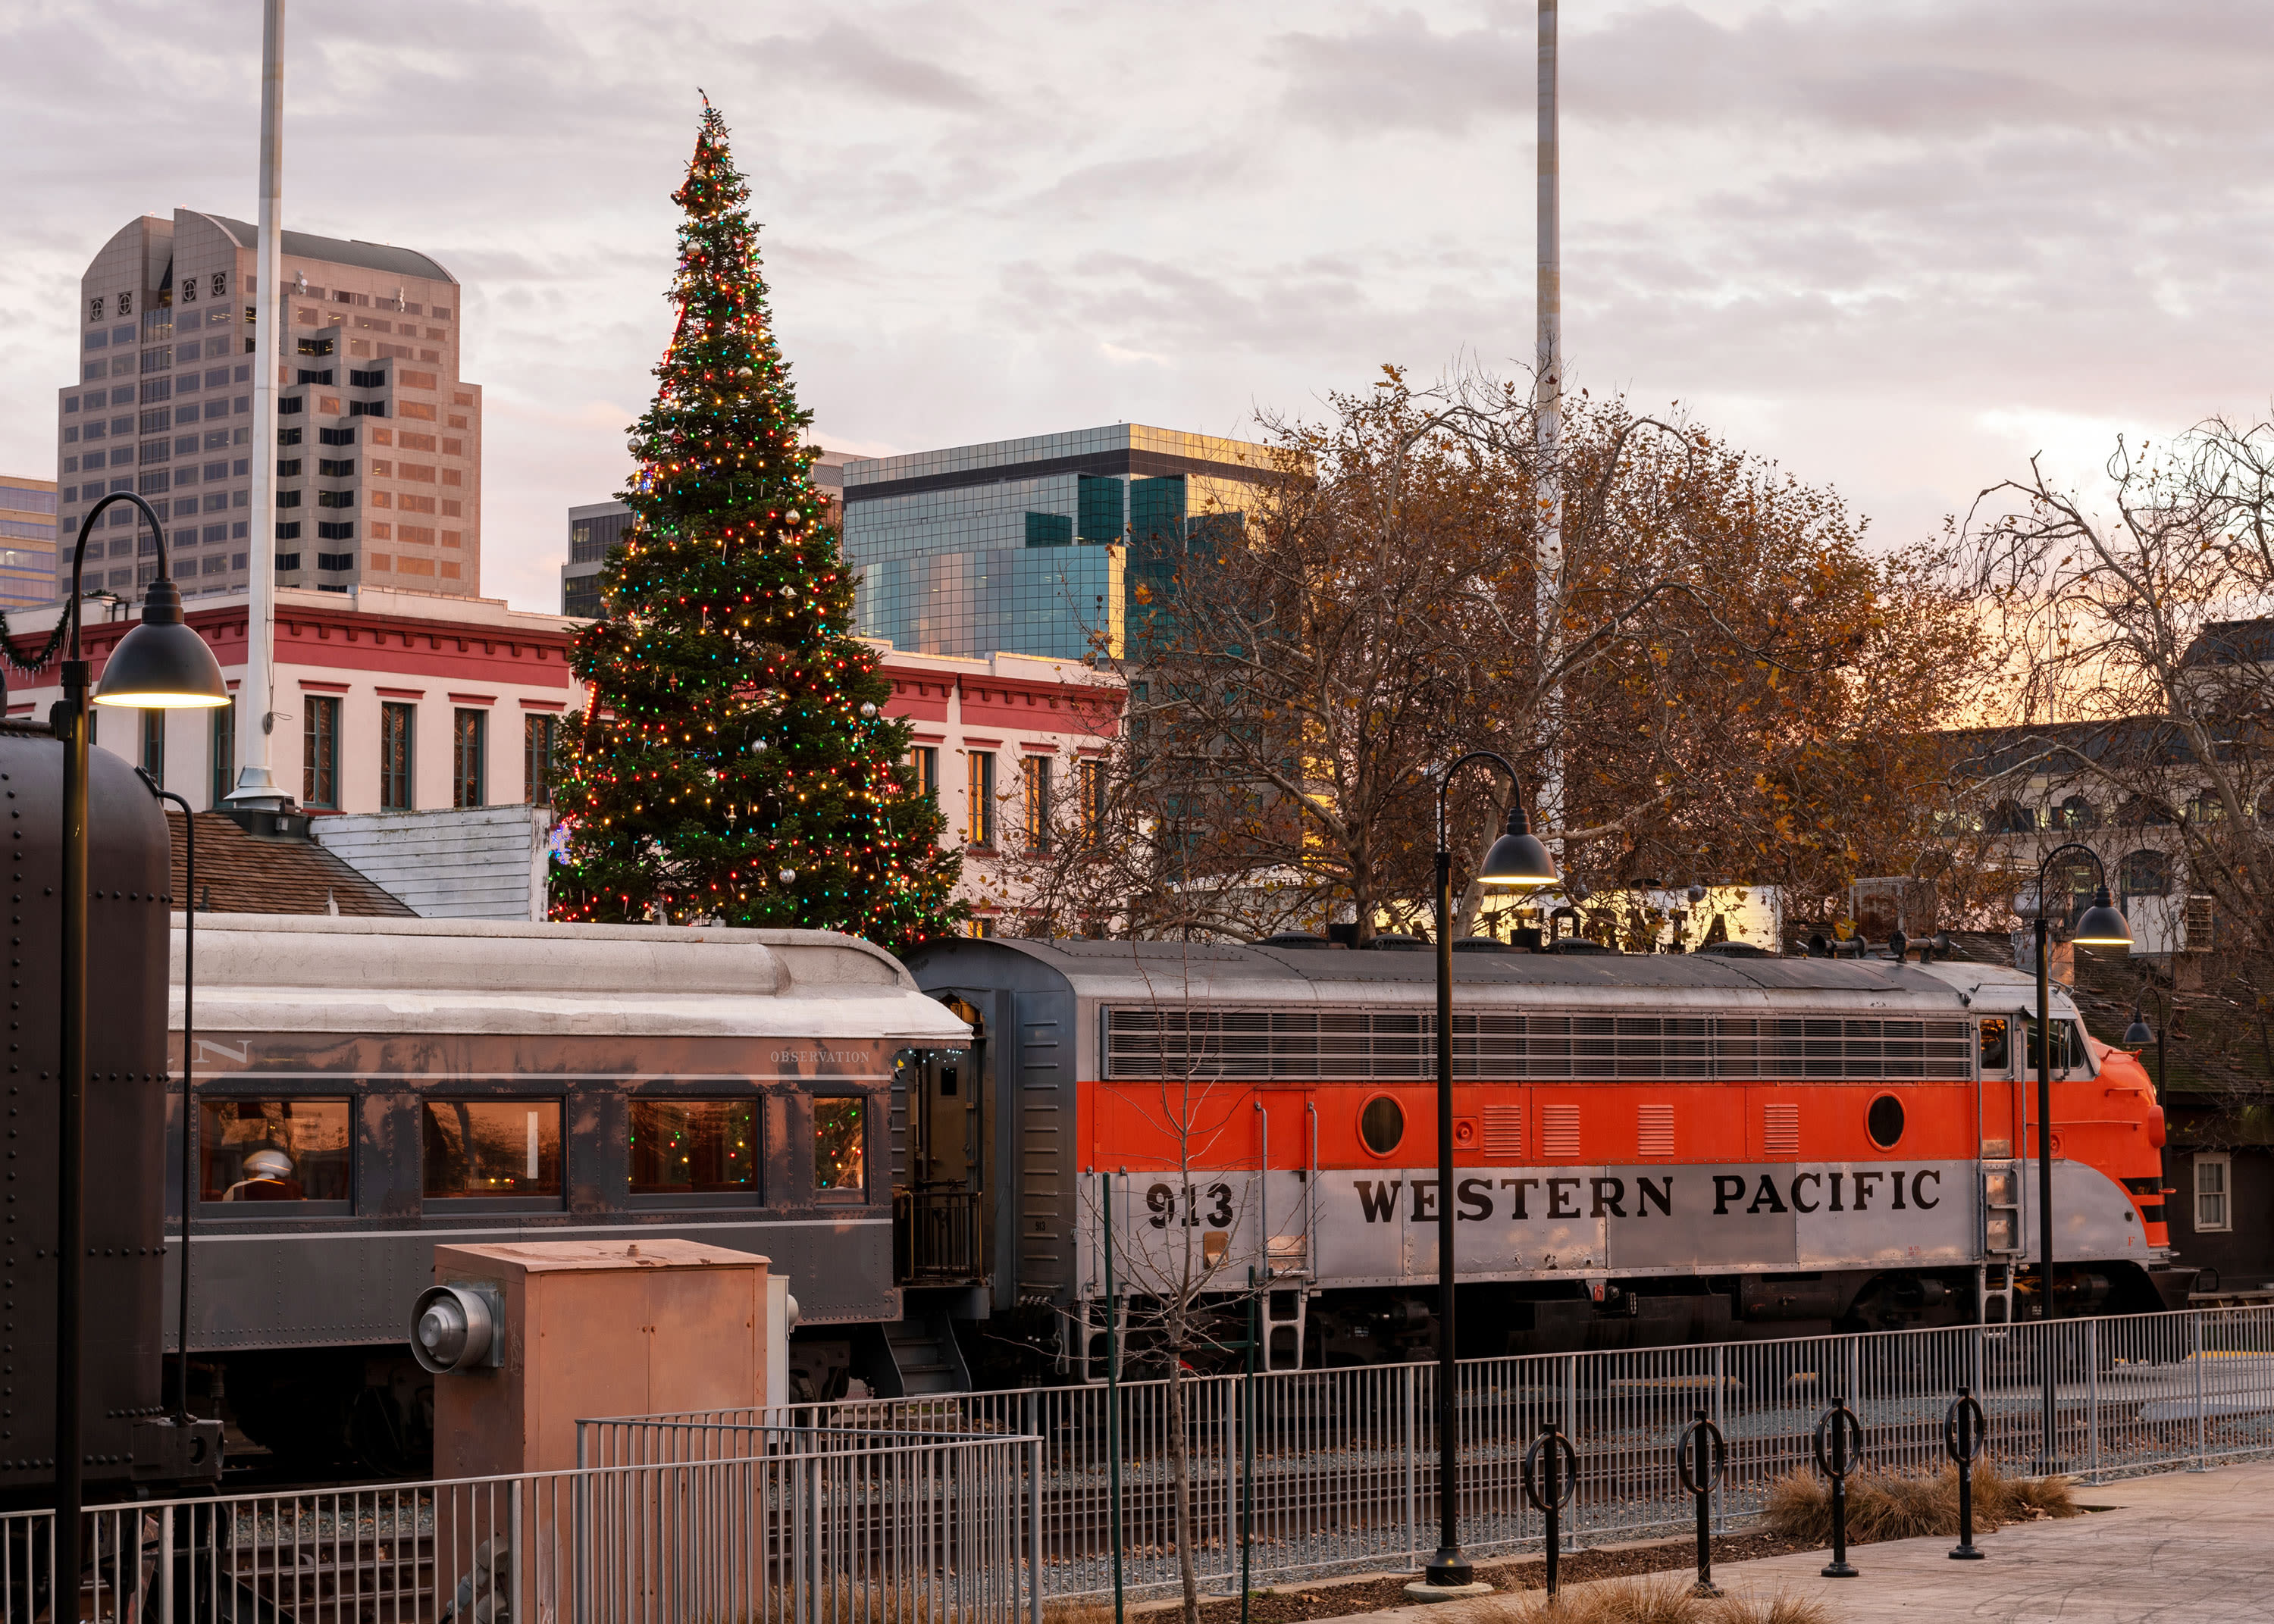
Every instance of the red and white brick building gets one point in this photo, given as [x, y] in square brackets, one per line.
[391, 702]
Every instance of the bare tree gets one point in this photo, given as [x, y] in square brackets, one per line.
[1183, 1262]
[2139, 661]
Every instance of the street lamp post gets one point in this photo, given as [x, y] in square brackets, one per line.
[1517, 861]
[160, 664]
[2100, 925]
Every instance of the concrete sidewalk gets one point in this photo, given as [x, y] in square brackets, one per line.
[2189, 1546]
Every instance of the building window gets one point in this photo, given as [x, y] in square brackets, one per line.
[492, 1147]
[925, 759]
[153, 745]
[2214, 1204]
[979, 818]
[224, 751]
[319, 739]
[1093, 801]
[397, 728]
[981, 926]
[841, 1149]
[1035, 797]
[468, 749]
[537, 734]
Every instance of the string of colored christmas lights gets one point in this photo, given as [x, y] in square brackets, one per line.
[734, 762]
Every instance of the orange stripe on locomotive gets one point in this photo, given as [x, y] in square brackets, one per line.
[2110, 1121]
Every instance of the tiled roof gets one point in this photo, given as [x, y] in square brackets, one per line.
[237, 874]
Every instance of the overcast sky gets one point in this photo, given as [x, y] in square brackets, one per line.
[1898, 246]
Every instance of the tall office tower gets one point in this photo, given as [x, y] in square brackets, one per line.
[597, 526]
[27, 541]
[379, 452]
[1038, 545]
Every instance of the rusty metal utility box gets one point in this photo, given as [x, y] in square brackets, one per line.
[592, 1329]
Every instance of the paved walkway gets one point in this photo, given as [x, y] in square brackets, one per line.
[2186, 1548]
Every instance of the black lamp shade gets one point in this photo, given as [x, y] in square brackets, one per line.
[1517, 861]
[2101, 925]
[162, 665]
[2137, 1036]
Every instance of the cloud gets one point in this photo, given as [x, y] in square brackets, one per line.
[856, 60]
[1893, 243]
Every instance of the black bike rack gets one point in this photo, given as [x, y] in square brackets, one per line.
[1835, 1458]
[1962, 1431]
[1550, 1488]
[1700, 1456]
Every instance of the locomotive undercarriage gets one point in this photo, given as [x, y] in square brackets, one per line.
[1347, 1328]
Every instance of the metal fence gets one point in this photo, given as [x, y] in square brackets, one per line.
[787, 1526]
[974, 1508]
[1343, 1473]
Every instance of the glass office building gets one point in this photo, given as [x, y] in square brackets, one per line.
[1041, 547]
[27, 542]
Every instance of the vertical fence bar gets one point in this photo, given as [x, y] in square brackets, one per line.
[1412, 1459]
[1034, 1532]
[2203, 1421]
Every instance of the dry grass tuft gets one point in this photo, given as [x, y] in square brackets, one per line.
[1906, 1506]
[1078, 1612]
[1660, 1599]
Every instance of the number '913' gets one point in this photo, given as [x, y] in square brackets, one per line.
[1161, 1201]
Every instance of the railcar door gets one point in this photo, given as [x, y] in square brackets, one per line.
[939, 1220]
[2002, 1099]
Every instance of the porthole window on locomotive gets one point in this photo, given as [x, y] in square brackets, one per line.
[1381, 1125]
[1886, 1121]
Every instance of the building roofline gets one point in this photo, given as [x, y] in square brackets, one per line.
[336, 251]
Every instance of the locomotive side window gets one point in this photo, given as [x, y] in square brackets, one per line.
[1885, 1120]
[2068, 1046]
[272, 1150]
[694, 1146]
[1997, 1046]
[840, 1148]
[1381, 1125]
[492, 1147]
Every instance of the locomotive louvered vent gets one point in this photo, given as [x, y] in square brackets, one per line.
[1654, 1130]
[1780, 1130]
[1503, 1130]
[1148, 1041]
[1559, 1132]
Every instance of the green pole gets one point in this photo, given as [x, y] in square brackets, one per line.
[1247, 1449]
[1112, 1401]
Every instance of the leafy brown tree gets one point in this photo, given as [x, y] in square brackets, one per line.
[1723, 675]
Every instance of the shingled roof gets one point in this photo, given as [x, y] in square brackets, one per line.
[240, 873]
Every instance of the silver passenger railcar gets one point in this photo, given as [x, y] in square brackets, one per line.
[366, 1087]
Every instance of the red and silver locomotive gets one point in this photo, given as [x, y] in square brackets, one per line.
[1650, 1149]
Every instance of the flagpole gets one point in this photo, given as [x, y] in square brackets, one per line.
[256, 785]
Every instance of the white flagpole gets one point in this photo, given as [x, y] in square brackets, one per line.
[256, 786]
[1548, 404]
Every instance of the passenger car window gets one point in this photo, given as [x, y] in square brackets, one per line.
[841, 1147]
[694, 1146]
[492, 1147]
[272, 1150]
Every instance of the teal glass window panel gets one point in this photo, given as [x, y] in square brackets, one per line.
[1050, 530]
[1098, 505]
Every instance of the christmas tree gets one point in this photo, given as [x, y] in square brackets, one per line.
[733, 763]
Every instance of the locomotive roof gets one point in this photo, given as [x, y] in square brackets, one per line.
[280, 972]
[1218, 972]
